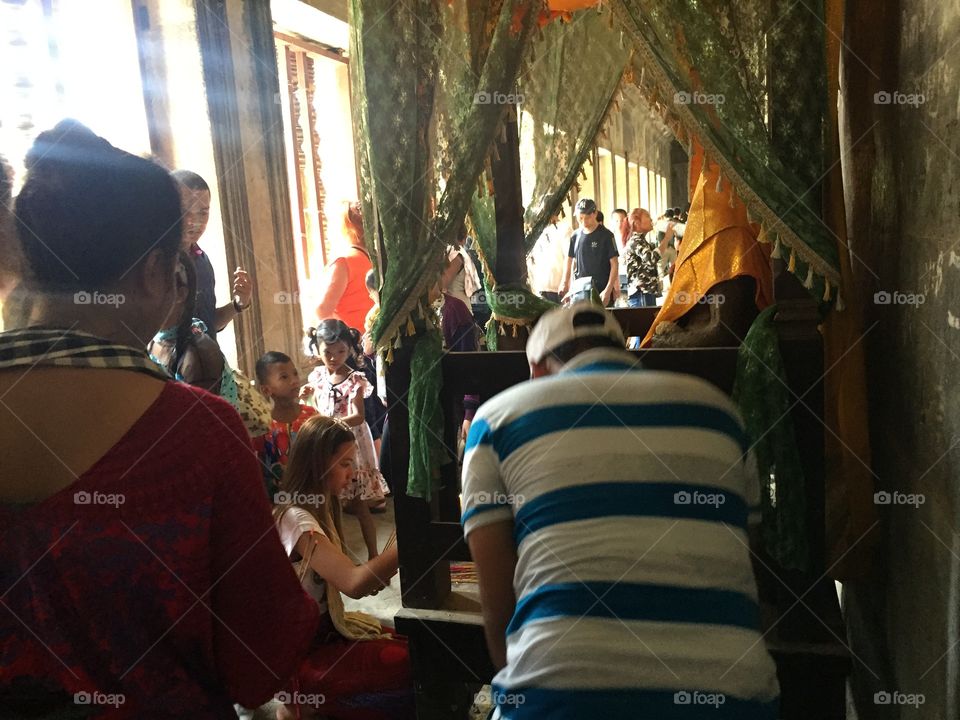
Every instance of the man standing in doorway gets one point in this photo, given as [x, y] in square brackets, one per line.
[195, 199]
[594, 252]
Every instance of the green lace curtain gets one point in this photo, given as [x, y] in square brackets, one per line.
[570, 76]
[422, 140]
[568, 88]
[748, 79]
[762, 395]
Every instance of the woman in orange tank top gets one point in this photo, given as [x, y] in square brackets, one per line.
[345, 295]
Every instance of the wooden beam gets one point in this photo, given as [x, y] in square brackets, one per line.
[511, 264]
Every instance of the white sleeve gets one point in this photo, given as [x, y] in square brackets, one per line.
[485, 498]
[292, 524]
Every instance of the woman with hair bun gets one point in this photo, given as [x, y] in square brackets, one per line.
[140, 573]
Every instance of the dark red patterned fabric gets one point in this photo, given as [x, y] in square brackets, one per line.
[180, 598]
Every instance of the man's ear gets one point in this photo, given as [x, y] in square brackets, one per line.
[155, 275]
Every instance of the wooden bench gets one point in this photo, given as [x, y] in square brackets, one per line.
[442, 620]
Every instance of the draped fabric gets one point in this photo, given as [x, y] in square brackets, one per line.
[568, 88]
[719, 245]
[427, 78]
[761, 392]
[748, 79]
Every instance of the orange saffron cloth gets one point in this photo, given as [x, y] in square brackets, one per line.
[719, 244]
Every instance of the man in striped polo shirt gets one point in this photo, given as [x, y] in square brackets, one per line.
[606, 508]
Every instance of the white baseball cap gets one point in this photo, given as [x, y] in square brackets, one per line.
[563, 324]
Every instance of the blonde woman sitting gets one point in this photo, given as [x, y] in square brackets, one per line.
[356, 669]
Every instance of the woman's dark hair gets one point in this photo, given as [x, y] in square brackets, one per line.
[371, 280]
[190, 180]
[332, 330]
[187, 274]
[313, 344]
[88, 213]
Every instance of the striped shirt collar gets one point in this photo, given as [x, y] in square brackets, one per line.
[61, 347]
[599, 359]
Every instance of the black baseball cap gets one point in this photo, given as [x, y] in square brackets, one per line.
[586, 205]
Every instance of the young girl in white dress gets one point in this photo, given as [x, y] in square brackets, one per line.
[337, 390]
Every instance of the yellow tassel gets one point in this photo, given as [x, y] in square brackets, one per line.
[514, 327]
[826, 290]
[719, 187]
[808, 283]
[792, 265]
[411, 328]
[840, 306]
[733, 197]
[397, 341]
[501, 329]
[496, 153]
[777, 252]
[389, 356]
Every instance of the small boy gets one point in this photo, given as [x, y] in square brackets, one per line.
[279, 380]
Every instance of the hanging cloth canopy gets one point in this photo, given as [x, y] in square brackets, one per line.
[747, 79]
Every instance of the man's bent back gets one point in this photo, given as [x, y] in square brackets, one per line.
[625, 495]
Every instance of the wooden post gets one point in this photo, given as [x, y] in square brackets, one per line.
[511, 266]
[424, 582]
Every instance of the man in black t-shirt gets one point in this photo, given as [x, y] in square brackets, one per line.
[593, 253]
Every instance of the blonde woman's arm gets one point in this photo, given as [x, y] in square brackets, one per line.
[354, 581]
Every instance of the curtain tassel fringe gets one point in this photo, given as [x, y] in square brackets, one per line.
[826, 290]
[792, 265]
[777, 250]
[840, 306]
[808, 283]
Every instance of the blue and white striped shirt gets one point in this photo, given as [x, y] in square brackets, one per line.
[629, 497]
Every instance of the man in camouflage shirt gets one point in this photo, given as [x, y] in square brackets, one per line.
[642, 258]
